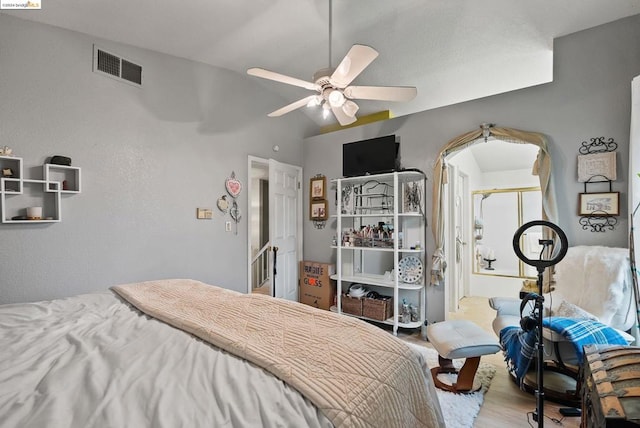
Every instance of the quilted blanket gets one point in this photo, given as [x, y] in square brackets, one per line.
[355, 373]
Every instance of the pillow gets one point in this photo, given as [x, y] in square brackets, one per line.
[569, 310]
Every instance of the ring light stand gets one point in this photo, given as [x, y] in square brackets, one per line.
[540, 264]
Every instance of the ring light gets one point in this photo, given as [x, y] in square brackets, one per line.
[534, 321]
[540, 263]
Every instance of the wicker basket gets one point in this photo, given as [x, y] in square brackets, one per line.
[351, 305]
[379, 309]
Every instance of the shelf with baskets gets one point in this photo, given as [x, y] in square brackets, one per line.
[381, 227]
[17, 192]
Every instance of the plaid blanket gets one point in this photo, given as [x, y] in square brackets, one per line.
[520, 346]
[582, 332]
[519, 349]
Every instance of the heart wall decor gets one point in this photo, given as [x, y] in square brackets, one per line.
[233, 185]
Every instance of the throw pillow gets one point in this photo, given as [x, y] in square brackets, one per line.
[569, 310]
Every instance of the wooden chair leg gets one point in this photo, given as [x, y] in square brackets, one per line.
[466, 375]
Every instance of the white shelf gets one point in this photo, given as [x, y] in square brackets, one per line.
[377, 215]
[369, 201]
[17, 192]
[388, 321]
[403, 250]
[66, 178]
[378, 281]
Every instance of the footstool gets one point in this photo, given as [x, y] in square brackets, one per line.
[460, 339]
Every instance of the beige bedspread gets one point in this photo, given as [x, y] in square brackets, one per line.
[357, 374]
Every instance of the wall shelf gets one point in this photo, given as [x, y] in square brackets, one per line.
[17, 193]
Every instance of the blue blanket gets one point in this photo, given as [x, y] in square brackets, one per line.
[582, 332]
[520, 346]
[519, 349]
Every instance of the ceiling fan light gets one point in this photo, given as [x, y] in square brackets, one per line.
[325, 110]
[350, 108]
[336, 98]
[314, 102]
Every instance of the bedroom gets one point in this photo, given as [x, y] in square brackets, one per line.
[150, 157]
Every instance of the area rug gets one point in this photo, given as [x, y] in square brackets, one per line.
[459, 410]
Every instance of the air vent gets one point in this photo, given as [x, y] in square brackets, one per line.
[116, 67]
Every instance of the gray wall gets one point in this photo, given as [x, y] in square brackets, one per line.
[590, 96]
[149, 157]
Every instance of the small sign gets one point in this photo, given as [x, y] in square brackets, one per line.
[204, 213]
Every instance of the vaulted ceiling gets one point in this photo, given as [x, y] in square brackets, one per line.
[452, 51]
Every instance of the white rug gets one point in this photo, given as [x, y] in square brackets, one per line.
[459, 410]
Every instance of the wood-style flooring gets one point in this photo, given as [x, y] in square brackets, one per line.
[505, 405]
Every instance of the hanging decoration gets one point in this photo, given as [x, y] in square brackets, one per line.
[234, 187]
[597, 164]
[223, 204]
[318, 205]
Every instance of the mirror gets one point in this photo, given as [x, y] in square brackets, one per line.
[496, 214]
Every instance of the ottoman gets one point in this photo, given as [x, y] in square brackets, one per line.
[460, 339]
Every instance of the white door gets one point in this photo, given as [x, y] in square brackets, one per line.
[456, 238]
[285, 229]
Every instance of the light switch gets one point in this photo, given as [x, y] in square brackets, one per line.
[227, 226]
[204, 213]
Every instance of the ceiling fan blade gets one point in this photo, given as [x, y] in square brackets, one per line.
[356, 60]
[272, 75]
[342, 116]
[294, 105]
[381, 93]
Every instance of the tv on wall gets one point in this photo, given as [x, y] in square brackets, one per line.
[373, 156]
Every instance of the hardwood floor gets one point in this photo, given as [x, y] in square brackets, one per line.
[505, 405]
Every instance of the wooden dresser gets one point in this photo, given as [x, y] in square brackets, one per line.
[611, 386]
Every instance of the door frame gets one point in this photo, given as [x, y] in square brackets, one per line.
[459, 274]
[251, 161]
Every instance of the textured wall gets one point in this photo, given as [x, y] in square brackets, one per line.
[589, 97]
[149, 157]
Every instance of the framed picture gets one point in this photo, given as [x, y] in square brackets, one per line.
[598, 165]
[318, 210]
[318, 186]
[599, 203]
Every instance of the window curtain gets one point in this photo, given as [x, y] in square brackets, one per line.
[541, 167]
[634, 194]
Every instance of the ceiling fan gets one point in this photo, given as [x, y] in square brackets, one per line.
[332, 85]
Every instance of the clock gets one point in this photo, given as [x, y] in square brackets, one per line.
[410, 269]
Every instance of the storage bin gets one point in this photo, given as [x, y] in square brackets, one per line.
[351, 305]
[379, 309]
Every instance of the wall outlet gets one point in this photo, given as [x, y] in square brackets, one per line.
[204, 213]
[227, 226]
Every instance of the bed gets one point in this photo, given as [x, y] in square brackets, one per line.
[181, 353]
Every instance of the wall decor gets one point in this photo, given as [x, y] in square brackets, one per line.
[597, 145]
[597, 164]
[233, 185]
[318, 210]
[599, 204]
[223, 204]
[17, 192]
[317, 187]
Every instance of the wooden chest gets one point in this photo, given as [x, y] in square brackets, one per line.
[611, 386]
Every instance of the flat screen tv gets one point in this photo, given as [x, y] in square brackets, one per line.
[373, 156]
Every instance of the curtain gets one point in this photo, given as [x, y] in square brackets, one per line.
[542, 168]
[634, 192]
